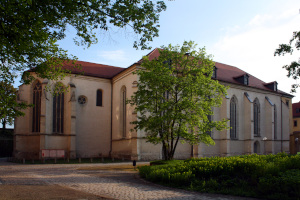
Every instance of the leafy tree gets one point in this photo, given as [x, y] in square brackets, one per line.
[9, 107]
[175, 97]
[293, 68]
[29, 30]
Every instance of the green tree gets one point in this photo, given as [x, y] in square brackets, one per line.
[293, 67]
[30, 29]
[175, 98]
[9, 107]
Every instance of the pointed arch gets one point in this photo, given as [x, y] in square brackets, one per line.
[123, 111]
[58, 109]
[233, 118]
[256, 147]
[256, 117]
[36, 101]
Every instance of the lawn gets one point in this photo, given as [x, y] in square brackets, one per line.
[261, 176]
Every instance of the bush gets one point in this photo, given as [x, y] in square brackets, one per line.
[248, 175]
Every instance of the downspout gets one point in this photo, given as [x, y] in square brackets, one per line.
[281, 125]
[111, 116]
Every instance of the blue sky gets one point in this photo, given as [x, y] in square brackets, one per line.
[244, 34]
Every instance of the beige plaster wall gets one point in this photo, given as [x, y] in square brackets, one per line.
[128, 144]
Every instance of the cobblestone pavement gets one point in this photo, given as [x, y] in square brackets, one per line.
[110, 184]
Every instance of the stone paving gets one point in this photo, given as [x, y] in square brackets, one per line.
[110, 184]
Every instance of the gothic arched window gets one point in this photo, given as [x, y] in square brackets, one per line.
[36, 115]
[58, 110]
[123, 111]
[233, 118]
[99, 98]
[275, 122]
[256, 117]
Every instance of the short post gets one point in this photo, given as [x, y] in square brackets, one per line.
[102, 159]
[23, 160]
[79, 160]
[134, 164]
[91, 160]
[55, 160]
[112, 159]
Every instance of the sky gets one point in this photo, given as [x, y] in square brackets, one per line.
[244, 34]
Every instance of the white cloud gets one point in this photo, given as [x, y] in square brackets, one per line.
[252, 47]
[117, 55]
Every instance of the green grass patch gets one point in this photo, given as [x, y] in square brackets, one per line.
[262, 176]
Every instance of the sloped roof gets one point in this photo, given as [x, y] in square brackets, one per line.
[296, 109]
[228, 73]
[95, 70]
[91, 69]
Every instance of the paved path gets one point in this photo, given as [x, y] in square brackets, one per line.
[110, 184]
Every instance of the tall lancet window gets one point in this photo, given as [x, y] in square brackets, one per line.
[256, 117]
[123, 111]
[36, 115]
[275, 122]
[58, 110]
[233, 118]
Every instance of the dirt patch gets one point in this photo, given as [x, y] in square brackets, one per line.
[43, 192]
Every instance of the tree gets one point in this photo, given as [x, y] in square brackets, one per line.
[9, 107]
[293, 68]
[29, 30]
[175, 98]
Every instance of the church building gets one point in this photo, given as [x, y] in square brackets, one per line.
[92, 119]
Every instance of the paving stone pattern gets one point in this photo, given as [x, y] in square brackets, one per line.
[113, 184]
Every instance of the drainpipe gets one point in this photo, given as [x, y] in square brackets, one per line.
[111, 116]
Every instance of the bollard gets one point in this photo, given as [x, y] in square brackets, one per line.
[23, 160]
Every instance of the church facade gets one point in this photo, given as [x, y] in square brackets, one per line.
[92, 118]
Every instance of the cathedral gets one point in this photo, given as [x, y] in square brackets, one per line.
[91, 119]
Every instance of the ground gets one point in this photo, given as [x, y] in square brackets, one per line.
[85, 181]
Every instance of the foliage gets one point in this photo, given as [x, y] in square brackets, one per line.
[9, 107]
[266, 176]
[175, 97]
[293, 68]
[29, 30]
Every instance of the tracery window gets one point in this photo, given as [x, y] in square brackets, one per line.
[99, 98]
[58, 111]
[36, 115]
[256, 120]
[233, 118]
[275, 122]
[123, 111]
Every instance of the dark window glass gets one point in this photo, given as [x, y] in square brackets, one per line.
[58, 113]
[36, 115]
[256, 111]
[233, 124]
[295, 123]
[99, 98]
[123, 111]
[275, 122]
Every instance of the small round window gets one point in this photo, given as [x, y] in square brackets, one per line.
[82, 100]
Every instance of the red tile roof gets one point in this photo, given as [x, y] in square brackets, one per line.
[92, 69]
[228, 73]
[95, 70]
[296, 107]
